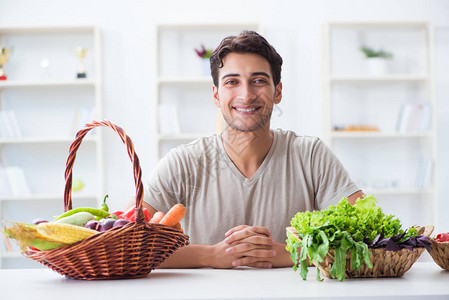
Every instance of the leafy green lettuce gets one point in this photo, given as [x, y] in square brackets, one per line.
[343, 227]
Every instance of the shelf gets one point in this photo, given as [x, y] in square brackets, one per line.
[44, 83]
[48, 104]
[51, 197]
[34, 30]
[184, 80]
[205, 26]
[398, 96]
[369, 24]
[397, 191]
[182, 137]
[46, 140]
[378, 134]
[11, 254]
[373, 78]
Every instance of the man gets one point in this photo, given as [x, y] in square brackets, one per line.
[242, 187]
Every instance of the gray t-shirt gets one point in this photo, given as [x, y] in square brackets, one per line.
[298, 174]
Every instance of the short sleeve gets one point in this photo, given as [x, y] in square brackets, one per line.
[164, 188]
[331, 180]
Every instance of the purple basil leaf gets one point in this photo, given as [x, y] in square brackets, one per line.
[424, 241]
[398, 237]
[383, 242]
[376, 239]
[409, 247]
[392, 245]
[410, 242]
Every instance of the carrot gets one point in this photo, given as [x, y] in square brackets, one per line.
[157, 217]
[178, 227]
[174, 215]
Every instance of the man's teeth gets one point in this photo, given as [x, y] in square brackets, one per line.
[245, 109]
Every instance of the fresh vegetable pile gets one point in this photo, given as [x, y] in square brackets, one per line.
[345, 227]
[80, 223]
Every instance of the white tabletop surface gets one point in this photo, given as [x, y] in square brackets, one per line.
[425, 280]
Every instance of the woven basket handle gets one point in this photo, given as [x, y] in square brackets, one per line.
[134, 159]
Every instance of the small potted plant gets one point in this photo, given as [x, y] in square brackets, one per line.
[204, 54]
[377, 60]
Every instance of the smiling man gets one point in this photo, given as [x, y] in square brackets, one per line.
[241, 187]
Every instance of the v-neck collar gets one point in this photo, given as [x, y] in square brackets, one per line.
[236, 171]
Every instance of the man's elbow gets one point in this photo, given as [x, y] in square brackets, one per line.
[355, 196]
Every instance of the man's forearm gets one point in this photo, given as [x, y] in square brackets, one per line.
[199, 256]
[191, 256]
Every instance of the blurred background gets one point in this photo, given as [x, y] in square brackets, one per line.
[370, 78]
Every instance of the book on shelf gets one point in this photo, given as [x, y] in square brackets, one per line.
[18, 185]
[414, 117]
[81, 118]
[425, 121]
[5, 190]
[9, 127]
[424, 173]
[168, 119]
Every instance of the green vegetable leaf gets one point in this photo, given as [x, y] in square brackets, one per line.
[323, 247]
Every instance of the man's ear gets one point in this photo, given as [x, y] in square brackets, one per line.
[215, 94]
[278, 93]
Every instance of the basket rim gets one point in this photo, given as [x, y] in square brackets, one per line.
[441, 243]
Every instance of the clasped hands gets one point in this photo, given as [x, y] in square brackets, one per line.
[245, 245]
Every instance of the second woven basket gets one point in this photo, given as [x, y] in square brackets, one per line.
[440, 253]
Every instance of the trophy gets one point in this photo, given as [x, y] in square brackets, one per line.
[81, 53]
[4, 56]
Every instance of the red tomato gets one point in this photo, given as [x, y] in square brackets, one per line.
[132, 218]
[130, 213]
[147, 214]
[119, 214]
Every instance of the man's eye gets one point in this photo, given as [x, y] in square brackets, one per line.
[230, 82]
[260, 81]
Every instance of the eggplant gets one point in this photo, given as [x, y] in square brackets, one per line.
[92, 224]
[120, 222]
[105, 224]
[38, 221]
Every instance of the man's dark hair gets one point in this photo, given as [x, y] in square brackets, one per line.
[246, 42]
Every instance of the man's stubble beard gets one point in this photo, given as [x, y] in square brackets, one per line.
[240, 126]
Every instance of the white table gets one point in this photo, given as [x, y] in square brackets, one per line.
[425, 280]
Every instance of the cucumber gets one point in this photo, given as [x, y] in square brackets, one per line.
[78, 219]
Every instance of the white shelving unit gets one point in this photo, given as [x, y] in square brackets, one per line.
[183, 87]
[50, 105]
[388, 161]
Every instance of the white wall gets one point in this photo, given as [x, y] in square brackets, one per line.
[293, 27]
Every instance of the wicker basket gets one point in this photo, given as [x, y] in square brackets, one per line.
[385, 263]
[130, 251]
[440, 253]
